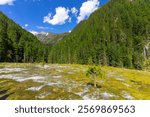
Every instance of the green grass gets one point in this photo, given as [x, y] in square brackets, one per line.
[69, 82]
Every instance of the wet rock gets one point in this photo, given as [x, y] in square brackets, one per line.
[35, 88]
[127, 95]
[107, 95]
[9, 70]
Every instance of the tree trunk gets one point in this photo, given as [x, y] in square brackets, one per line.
[94, 81]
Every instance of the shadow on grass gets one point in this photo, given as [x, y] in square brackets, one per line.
[5, 96]
[91, 84]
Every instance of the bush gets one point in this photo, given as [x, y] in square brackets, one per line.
[94, 72]
[146, 64]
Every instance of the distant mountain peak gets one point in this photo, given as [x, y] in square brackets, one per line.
[50, 38]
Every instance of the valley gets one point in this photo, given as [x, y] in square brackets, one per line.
[53, 66]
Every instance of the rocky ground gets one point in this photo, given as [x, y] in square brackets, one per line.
[69, 82]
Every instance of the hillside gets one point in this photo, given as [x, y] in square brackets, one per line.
[18, 45]
[117, 34]
[50, 38]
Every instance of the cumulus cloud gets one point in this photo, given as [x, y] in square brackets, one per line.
[61, 16]
[87, 8]
[4, 2]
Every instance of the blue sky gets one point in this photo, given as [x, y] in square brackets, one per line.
[55, 16]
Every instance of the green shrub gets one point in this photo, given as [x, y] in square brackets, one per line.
[94, 72]
[146, 64]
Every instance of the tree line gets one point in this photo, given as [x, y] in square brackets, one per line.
[18, 45]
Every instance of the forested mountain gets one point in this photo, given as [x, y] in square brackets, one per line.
[117, 34]
[50, 38]
[18, 45]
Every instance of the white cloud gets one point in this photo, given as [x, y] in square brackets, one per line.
[4, 2]
[61, 16]
[87, 8]
[74, 10]
[26, 25]
[33, 32]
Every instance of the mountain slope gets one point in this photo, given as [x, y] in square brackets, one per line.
[18, 45]
[114, 35]
[50, 38]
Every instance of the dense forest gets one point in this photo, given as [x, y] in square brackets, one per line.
[18, 45]
[117, 34]
[114, 35]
